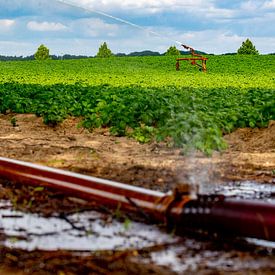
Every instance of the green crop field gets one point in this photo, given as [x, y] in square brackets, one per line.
[223, 71]
[145, 97]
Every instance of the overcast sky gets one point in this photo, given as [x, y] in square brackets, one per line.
[208, 25]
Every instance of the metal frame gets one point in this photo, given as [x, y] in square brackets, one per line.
[195, 57]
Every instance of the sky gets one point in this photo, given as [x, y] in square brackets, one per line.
[208, 25]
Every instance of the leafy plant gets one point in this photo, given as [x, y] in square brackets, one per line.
[127, 224]
[143, 134]
[13, 122]
[145, 98]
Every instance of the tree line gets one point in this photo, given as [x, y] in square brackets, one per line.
[43, 53]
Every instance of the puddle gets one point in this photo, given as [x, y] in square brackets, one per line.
[180, 259]
[243, 190]
[95, 231]
[88, 231]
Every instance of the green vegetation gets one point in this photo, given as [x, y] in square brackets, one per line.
[145, 97]
[247, 48]
[172, 51]
[239, 71]
[42, 53]
[13, 122]
[104, 51]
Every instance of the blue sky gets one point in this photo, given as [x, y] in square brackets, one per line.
[208, 25]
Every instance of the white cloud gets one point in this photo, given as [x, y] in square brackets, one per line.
[94, 27]
[201, 9]
[251, 6]
[220, 41]
[6, 23]
[141, 4]
[219, 28]
[269, 4]
[15, 48]
[264, 44]
[217, 14]
[254, 7]
[144, 6]
[211, 41]
[45, 26]
[214, 41]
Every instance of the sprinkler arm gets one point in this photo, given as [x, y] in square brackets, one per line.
[192, 51]
[187, 47]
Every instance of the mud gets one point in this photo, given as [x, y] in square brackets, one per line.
[245, 169]
[251, 154]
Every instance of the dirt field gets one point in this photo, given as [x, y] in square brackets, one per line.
[250, 156]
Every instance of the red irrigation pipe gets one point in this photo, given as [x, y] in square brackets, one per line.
[246, 218]
[104, 192]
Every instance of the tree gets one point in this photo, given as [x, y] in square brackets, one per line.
[42, 53]
[247, 48]
[172, 51]
[104, 51]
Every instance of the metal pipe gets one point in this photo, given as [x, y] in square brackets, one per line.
[214, 213]
[104, 192]
[227, 216]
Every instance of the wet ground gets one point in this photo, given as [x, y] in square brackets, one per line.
[44, 232]
[89, 233]
[90, 230]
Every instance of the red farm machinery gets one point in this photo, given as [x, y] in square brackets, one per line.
[194, 59]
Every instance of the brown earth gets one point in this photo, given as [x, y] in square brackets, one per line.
[250, 156]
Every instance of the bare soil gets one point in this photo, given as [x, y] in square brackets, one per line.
[250, 156]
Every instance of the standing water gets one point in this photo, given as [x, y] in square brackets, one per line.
[92, 231]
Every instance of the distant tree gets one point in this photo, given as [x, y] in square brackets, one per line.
[247, 48]
[172, 51]
[42, 53]
[144, 53]
[104, 51]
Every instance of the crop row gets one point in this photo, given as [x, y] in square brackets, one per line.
[189, 118]
[223, 71]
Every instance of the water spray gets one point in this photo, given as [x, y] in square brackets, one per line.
[118, 19]
[193, 60]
